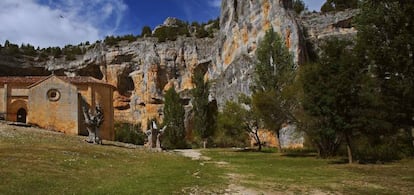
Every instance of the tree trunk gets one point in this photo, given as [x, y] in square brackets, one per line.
[279, 145]
[412, 135]
[205, 143]
[259, 143]
[260, 146]
[349, 148]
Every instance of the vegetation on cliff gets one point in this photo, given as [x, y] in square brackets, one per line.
[72, 52]
[172, 32]
[26, 50]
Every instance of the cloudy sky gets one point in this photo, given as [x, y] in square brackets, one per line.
[60, 22]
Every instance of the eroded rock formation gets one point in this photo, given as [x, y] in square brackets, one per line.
[142, 70]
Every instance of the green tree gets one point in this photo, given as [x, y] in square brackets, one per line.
[28, 50]
[338, 95]
[239, 119]
[231, 132]
[201, 32]
[274, 72]
[204, 116]
[298, 6]
[385, 43]
[146, 31]
[6, 43]
[174, 134]
[56, 52]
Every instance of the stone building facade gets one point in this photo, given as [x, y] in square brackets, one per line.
[55, 102]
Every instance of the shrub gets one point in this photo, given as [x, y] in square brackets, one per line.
[384, 149]
[129, 133]
[225, 139]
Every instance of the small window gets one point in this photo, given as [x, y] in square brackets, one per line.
[53, 95]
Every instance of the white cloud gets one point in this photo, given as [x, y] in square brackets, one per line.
[215, 3]
[57, 23]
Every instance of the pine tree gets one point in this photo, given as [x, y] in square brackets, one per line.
[146, 31]
[174, 135]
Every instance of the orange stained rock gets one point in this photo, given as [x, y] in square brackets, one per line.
[266, 8]
[266, 25]
[150, 112]
[245, 35]
[267, 137]
[168, 86]
[288, 40]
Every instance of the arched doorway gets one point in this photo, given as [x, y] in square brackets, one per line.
[21, 115]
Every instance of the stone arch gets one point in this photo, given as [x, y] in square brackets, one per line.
[14, 108]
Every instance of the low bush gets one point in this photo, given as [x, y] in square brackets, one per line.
[129, 133]
[384, 149]
[224, 139]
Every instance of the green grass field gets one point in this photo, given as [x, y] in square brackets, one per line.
[39, 162]
[34, 161]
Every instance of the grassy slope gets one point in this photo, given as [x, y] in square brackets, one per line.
[34, 161]
[49, 163]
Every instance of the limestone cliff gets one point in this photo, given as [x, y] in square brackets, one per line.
[242, 25]
[142, 70]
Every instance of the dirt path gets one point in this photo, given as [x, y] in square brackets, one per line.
[193, 154]
[234, 179]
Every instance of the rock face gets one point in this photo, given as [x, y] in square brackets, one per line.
[321, 26]
[142, 70]
[145, 69]
[324, 25]
[242, 26]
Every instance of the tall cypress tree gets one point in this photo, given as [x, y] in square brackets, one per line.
[174, 135]
[205, 114]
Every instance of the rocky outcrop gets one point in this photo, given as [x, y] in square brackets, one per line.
[144, 69]
[321, 26]
[242, 26]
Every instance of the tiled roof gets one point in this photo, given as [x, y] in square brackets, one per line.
[29, 80]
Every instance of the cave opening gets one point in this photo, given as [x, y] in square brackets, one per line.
[235, 18]
[125, 85]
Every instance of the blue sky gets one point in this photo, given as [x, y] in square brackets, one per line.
[60, 22]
